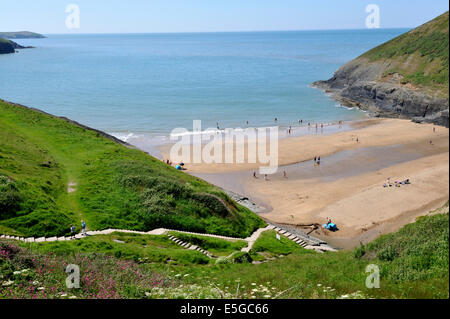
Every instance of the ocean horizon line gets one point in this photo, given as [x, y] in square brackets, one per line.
[225, 32]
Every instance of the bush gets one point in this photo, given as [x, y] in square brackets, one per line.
[10, 198]
[241, 258]
[214, 203]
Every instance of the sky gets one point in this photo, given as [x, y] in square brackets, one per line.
[136, 16]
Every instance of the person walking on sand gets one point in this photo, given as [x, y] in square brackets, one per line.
[83, 228]
[284, 174]
[254, 174]
[318, 160]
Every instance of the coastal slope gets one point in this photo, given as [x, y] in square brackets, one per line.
[8, 46]
[406, 77]
[55, 172]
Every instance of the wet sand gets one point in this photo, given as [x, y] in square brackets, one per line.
[348, 184]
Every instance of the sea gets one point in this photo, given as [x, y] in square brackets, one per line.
[139, 87]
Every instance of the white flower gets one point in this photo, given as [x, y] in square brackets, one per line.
[73, 297]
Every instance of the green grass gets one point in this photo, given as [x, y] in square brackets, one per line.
[268, 243]
[116, 186]
[139, 248]
[216, 246]
[421, 55]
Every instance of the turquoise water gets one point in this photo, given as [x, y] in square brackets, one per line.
[152, 83]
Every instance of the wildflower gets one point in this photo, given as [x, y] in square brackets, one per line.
[7, 283]
[73, 297]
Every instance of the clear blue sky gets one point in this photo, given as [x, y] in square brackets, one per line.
[127, 16]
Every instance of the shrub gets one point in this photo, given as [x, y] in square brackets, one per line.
[10, 198]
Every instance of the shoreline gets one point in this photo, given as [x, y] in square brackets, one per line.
[349, 181]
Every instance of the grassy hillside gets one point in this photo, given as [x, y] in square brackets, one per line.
[54, 173]
[413, 263]
[420, 56]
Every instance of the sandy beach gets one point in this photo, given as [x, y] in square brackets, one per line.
[347, 186]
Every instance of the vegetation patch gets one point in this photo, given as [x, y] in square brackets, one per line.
[117, 186]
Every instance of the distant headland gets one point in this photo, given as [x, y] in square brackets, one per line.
[21, 35]
[8, 46]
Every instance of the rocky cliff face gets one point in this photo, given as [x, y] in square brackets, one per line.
[361, 83]
[6, 47]
[405, 77]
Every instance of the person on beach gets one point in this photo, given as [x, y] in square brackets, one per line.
[83, 228]
[265, 177]
[318, 160]
[315, 159]
[284, 174]
[254, 174]
[72, 231]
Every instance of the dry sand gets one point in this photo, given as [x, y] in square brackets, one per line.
[348, 185]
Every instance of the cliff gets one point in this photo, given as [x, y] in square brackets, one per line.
[406, 77]
[6, 46]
